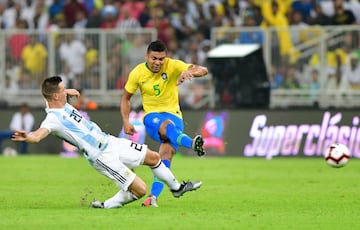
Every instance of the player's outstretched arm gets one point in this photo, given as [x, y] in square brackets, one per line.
[32, 137]
[125, 107]
[198, 71]
[191, 72]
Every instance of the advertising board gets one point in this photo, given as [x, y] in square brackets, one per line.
[267, 133]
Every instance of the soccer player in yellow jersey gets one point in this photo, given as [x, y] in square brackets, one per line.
[158, 79]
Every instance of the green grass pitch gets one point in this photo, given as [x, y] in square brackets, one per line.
[49, 192]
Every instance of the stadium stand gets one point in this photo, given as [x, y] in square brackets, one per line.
[311, 51]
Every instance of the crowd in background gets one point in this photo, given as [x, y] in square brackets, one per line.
[184, 26]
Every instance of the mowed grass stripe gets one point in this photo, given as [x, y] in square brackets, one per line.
[49, 192]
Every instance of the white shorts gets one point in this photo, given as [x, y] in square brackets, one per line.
[117, 160]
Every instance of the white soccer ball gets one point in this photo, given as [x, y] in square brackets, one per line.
[9, 152]
[337, 155]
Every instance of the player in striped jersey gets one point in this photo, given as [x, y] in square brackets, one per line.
[111, 156]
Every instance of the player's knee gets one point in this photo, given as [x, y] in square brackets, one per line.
[162, 129]
[152, 158]
[167, 155]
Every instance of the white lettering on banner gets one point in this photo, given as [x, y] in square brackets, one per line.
[281, 140]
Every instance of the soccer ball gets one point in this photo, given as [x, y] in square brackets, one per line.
[337, 155]
[9, 152]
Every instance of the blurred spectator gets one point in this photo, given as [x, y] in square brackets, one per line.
[276, 79]
[352, 72]
[144, 16]
[18, 41]
[296, 27]
[181, 19]
[94, 19]
[334, 57]
[337, 85]
[304, 7]
[91, 56]
[315, 87]
[70, 9]
[56, 23]
[56, 8]
[174, 51]
[92, 4]
[34, 56]
[342, 16]
[327, 7]
[256, 10]
[250, 36]
[41, 17]
[67, 76]
[11, 14]
[28, 12]
[127, 21]
[120, 84]
[21, 120]
[80, 25]
[354, 6]
[80, 20]
[12, 77]
[162, 25]
[274, 14]
[192, 92]
[319, 17]
[302, 32]
[192, 54]
[2, 19]
[290, 80]
[138, 49]
[202, 53]
[27, 80]
[109, 14]
[203, 27]
[115, 78]
[72, 53]
[135, 8]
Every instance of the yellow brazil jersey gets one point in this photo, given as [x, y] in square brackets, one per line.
[34, 58]
[159, 92]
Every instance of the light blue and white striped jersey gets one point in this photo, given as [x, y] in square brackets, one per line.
[68, 124]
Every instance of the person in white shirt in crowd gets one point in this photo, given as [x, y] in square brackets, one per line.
[21, 120]
[72, 52]
[351, 72]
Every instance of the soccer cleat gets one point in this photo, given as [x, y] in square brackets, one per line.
[197, 145]
[150, 202]
[96, 204]
[186, 187]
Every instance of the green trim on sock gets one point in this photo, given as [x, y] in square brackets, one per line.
[155, 179]
[178, 140]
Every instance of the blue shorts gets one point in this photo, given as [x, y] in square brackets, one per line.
[152, 122]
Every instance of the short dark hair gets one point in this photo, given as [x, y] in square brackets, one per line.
[50, 85]
[156, 46]
[24, 105]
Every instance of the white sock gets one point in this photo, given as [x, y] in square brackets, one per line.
[119, 199]
[163, 173]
